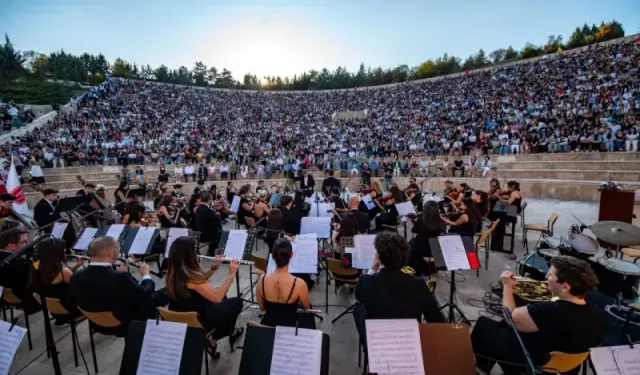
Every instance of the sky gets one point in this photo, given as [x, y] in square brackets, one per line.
[288, 37]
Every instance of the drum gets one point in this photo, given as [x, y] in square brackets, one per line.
[553, 242]
[583, 246]
[617, 276]
[533, 266]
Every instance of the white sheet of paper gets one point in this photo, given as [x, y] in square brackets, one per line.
[321, 226]
[271, 264]
[10, 343]
[115, 230]
[394, 346]
[236, 243]
[235, 204]
[603, 360]
[368, 201]
[365, 252]
[58, 230]
[628, 360]
[299, 354]
[174, 233]
[455, 256]
[162, 345]
[141, 241]
[85, 239]
[312, 199]
[405, 209]
[354, 258]
[305, 254]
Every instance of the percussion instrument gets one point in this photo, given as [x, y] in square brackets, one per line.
[617, 233]
[617, 277]
[582, 245]
[533, 266]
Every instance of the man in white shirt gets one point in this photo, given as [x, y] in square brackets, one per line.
[189, 171]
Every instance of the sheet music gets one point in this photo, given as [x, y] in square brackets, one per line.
[394, 346]
[274, 199]
[10, 343]
[271, 265]
[455, 256]
[604, 361]
[368, 201]
[305, 254]
[365, 252]
[320, 209]
[236, 243]
[115, 230]
[162, 346]
[352, 251]
[85, 239]
[58, 229]
[235, 204]
[174, 233]
[405, 209]
[318, 225]
[299, 354]
[141, 242]
[628, 360]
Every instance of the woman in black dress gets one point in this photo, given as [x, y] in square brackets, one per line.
[189, 289]
[120, 196]
[246, 205]
[280, 294]
[52, 277]
[390, 214]
[508, 198]
[274, 228]
[468, 222]
[428, 225]
[494, 195]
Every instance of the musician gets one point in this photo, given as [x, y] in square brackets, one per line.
[448, 188]
[16, 274]
[86, 207]
[413, 194]
[364, 223]
[231, 191]
[307, 184]
[208, 223]
[569, 325]
[246, 205]
[6, 201]
[482, 201]
[330, 182]
[389, 293]
[292, 213]
[429, 224]
[167, 212]
[43, 211]
[494, 193]
[275, 228]
[261, 208]
[510, 197]
[338, 204]
[390, 214]
[177, 191]
[468, 222]
[261, 187]
[120, 196]
[189, 290]
[52, 278]
[101, 287]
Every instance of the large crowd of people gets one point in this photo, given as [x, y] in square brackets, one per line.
[580, 101]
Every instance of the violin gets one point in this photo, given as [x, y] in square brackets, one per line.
[149, 219]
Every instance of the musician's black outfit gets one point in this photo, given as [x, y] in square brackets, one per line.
[61, 291]
[364, 223]
[393, 294]
[307, 184]
[420, 248]
[328, 183]
[209, 224]
[220, 316]
[286, 314]
[417, 197]
[338, 204]
[467, 229]
[86, 208]
[242, 212]
[100, 287]
[563, 326]
[15, 276]
[292, 217]
[497, 238]
[388, 217]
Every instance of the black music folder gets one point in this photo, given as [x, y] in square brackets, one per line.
[258, 350]
[248, 247]
[192, 351]
[130, 239]
[67, 204]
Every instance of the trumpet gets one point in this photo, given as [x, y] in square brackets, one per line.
[227, 260]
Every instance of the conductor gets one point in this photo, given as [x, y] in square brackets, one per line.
[307, 184]
[330, 182]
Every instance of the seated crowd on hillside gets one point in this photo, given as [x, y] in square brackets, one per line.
[580, 101]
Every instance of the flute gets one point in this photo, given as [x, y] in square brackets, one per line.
[310, 311]
[227, 260]
[133, 263]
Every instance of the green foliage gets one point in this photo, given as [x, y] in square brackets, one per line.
[10, 62]
[33, 92]
[530, 50]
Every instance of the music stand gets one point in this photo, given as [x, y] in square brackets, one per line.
[257, 351]
[246, 255]
[131, 236]
[345, 242]
[195, 343]
[436, 250]
[69, 205]
[323, 243]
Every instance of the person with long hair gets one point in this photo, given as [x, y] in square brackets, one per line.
[246, 205]
[280, 294]
[167, 213]
[120, 196]
[482, 201]
[274, 228]
[52, 277]
[189, 289]
[390, 214]
[508, 198]
[494, 193]
[469, 220]
[428, 225]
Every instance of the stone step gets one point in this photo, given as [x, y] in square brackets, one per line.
[573, 174]
[576, 156]
[86, 176]
[623, 165]
[71, 184]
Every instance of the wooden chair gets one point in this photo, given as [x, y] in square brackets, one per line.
[560, 362]
[103, 319]
[521, 214]
[10, 301]
[54, 306]
[393, 227]
[483, 241]
[259, 265]
[545, 230]
[191, 320]
[338, 273]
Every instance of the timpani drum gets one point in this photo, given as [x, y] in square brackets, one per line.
[617, 277]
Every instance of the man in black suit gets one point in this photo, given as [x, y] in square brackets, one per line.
[291, 213]
[330, 182]
[307, 184]
[86, 208]
[16, 274]
[208, 223]
[364, 223]
[389, 293]
[43, 212]
[100, 287]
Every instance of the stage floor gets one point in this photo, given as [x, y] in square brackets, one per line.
[344, 340]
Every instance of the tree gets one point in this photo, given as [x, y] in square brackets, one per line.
[200, 73]
[10, 62]
[212, 76]
[553, 44]
[497, 55]
[250, 82]
[225, 79]
[400, 73]
[577, 39]
[609, 31]
[426, 70]
[530, 50]
[146, 72]
[121, 68]
[162, 74]
[510, 54]
[183, 76]
[39, 67]
[480, 59]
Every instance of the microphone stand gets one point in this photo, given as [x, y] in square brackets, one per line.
[532, 369]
